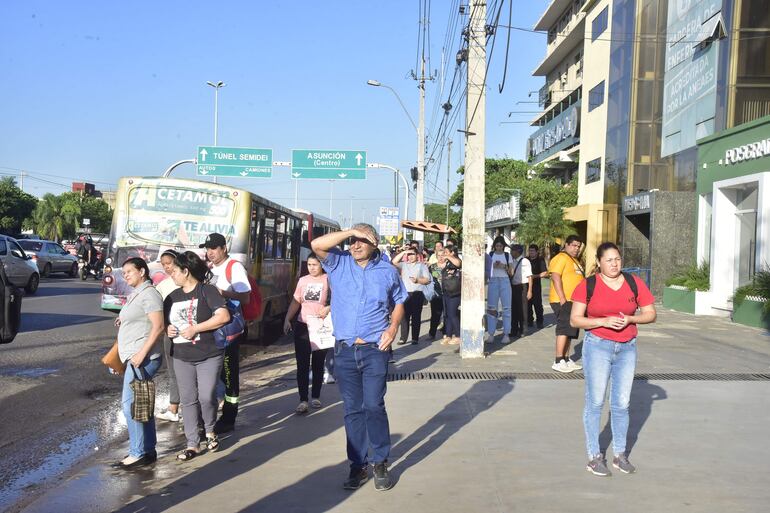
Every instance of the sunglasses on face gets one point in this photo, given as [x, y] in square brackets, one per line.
[353, 240]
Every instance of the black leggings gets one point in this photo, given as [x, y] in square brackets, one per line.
[413, 314]
[231, 376]
[436, 312]
[305, 356]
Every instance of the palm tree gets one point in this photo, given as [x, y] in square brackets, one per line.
[543, 225]
[54, 217]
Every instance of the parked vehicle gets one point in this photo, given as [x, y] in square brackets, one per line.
[21, 271]
[50, 257]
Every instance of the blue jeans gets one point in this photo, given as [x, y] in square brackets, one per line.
[360, 371]
[452, 316]
[606, 361]
[141, 435]
[499, 289]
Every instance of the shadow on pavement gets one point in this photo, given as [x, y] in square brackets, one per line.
[31, 321]
[643, 395]
[322, 490]
[280, 431]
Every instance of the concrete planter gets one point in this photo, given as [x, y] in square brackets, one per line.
[689, 301]
[750, 313]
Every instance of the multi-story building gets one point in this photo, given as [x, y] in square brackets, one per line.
[659, 75]
[556, 142]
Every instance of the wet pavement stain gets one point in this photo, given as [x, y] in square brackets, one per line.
[22, 372]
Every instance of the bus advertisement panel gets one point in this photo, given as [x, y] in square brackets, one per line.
[154, 214]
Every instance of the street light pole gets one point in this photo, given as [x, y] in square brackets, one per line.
[403, 180]
[216, 87]
[419, 213]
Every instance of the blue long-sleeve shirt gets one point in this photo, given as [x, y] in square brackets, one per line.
[362, 297]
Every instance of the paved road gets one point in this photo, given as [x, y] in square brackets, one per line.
[53, 389]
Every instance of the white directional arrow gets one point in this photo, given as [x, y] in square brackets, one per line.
[342, 175]
[296, 175]
[203, 154]
[203, 172]
[244, 173]
[358, 159]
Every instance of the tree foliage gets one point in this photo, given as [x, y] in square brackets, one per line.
[15, 206]
[543, 225]
[56, 217]
[502, 175]
[96, 210]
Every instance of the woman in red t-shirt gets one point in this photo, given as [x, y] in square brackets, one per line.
[609, 351]
[311, 297]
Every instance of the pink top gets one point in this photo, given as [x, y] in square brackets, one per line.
[312, 294]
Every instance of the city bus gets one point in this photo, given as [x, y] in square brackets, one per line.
[153, 214]
[313, 226]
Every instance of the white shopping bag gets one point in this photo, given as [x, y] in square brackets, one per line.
[320, 331]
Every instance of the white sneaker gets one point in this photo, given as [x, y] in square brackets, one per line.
[487, 337]
[562, 366]
[168, 416]
[328, 378]
[505, 340]
[574, 365]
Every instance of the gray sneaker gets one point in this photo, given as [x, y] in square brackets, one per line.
[598, 466]
[382, 480]
[357, 477]
[621, 463]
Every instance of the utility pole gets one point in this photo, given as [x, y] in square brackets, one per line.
[331, 196]
[448, 165]
[21, 180]
[419, 213]
[473, 310]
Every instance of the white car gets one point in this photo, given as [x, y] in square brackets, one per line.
[21, 270]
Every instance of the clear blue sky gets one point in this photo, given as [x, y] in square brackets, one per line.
[96, 90]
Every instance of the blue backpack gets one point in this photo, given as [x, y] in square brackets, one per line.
[225, 335]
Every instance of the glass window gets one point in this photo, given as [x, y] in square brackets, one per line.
[596, 96]
[31, 245]
[280, 236]
[256, 216]
[593, 170]
[755, 14]
[3, 247]
[15, 247]
[268, 250]
[599, 24]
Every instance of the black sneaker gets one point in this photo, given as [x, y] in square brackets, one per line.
[356, 479]
[222, 426]
[382, 480]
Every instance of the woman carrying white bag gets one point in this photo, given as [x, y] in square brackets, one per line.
[311, 300]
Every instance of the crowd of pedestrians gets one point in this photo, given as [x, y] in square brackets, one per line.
[373, 297]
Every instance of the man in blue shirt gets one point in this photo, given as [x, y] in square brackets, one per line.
[367, 306]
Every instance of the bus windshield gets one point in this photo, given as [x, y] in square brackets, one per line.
[178, 216]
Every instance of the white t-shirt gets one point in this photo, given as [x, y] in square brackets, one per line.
[500, 272]
[523, 272]
[240, 280]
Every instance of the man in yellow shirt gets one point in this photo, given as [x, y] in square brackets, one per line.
[566, 274]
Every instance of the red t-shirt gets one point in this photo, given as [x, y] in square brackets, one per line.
[606, 302]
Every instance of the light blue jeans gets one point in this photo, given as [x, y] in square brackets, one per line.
[141, 435]
[499, 289]
[607, 362]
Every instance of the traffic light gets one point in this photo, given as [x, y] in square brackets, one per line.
[414, 174]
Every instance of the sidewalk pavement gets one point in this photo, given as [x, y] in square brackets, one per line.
[698, 431]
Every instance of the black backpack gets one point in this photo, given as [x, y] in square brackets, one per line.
[591, 285]
[10, 309]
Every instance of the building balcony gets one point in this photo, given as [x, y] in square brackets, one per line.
[563, 45]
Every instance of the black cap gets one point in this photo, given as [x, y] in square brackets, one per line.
[214, 240]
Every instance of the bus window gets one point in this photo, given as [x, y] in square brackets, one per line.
[280, 236]
[256, 215]
[305, 239]
[269, 247]
[290, 224]
[318, 231]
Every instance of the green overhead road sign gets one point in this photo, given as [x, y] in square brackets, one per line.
[240, 162]
[328, 164]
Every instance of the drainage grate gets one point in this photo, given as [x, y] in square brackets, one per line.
[509, 376]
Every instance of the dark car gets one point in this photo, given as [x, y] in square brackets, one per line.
[50, 257]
